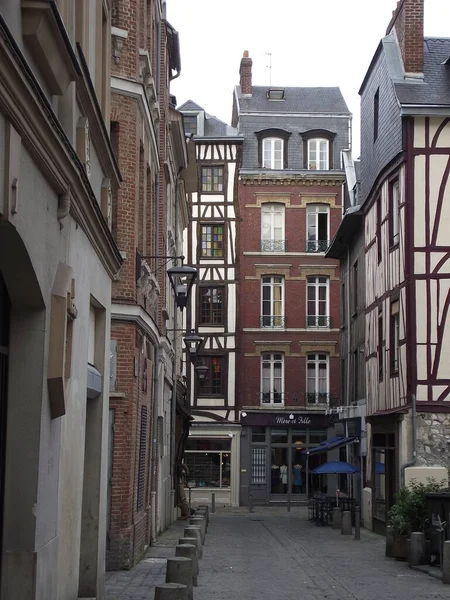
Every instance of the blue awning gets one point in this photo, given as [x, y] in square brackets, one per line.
[332, 444]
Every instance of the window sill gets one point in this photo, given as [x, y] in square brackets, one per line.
[394, 374]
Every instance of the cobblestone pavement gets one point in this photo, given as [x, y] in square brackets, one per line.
[274, 555]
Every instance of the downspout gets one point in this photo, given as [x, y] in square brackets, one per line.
[154, 481]
[173, 470]
[412, 462]
[349, 337]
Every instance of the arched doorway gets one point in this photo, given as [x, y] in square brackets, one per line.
[4, 346]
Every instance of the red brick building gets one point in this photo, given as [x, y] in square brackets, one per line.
[147, 398]
[289, 209]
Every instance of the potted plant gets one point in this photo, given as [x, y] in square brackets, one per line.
[409, 513]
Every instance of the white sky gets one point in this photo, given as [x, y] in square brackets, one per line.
[312, 43]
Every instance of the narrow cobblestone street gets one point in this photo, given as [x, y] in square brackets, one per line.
[272, 554]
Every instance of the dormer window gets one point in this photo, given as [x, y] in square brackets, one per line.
[276, 94]
[318, 154]
[318, 149]
[272, 153]
[190, 124]
[272, 148]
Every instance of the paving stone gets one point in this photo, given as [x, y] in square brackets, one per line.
[272, 554]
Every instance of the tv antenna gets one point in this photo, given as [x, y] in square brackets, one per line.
[269, 66]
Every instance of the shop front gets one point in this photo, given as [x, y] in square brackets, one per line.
[211, 458]
[275, 464]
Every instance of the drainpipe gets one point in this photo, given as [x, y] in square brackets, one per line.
[412, 462]
[154, 463]
[349, 336]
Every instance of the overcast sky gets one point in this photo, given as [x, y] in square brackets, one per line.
[311, 42]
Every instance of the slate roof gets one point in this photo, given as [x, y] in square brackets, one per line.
[213, 127]
[435, 88]
[189, 105]
[297, 100]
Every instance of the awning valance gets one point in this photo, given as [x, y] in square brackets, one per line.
[331, 444]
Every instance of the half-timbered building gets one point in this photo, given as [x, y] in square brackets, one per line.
[405, 203]
[290, 206]
[212, 449]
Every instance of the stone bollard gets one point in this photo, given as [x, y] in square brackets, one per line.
[201, 512]
[357, 522]
[189, 551]
[337, 517]
[389, 542]
[204, 508]
[199, 522]
[171, 591]
[193, 542]
[415, 548]
[346, 526]
[446, 563]
[179, 570]
[194, 531]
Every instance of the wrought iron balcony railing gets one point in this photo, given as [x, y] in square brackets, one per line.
[273, 322]
[318, 321]
[317, 398]
[273, 245]
[317, 245]
[272, 398]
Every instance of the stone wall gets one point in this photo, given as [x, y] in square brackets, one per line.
[433, 439]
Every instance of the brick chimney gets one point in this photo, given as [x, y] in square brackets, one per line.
[245, 74]
[407, 20]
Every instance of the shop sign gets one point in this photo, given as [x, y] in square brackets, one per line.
[256, 419]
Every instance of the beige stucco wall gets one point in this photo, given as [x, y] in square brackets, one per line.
[45, 457]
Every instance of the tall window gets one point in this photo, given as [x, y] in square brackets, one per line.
[272, 378]
[212, 305]
[317, 302]
[376, 112]
[380, 343]
[214, 384]
[395, 336]
[356, 354]
[317, 390]
[379, 217]
[343, 305]
[394, 201]
[272, 228]
[318, 154]
[317, 228]
[355, 289]
[142, 455]
[212, 239]
[212, 179]
[272, 302]
[190, 124]
[272, 153]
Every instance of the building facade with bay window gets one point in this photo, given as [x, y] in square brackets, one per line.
[290, 205]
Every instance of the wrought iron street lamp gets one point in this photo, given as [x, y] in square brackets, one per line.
[202, 372]
[193, 343]
[182, 279]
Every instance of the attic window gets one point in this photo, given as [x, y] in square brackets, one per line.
[190, 124]
[276, 94]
